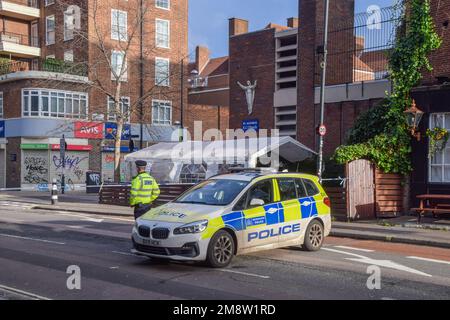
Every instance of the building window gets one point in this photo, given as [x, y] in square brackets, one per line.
[69, 25]
[119, 25]
[54, 104]
[124, 107]
[163, 4]
[440, 162]
[162, 112]
[162, 72]
[49, 2]
[50, 30]
[1, 105]
[119, 66]
[68, 55]
[162, 33]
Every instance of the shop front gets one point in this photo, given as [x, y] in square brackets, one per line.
[41, 163]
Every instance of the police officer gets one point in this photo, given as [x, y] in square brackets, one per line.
[144, 190]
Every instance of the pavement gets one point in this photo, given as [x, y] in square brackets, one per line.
[432, 232]
[38, 248]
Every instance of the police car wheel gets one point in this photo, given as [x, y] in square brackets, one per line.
[314, 236]
[220, 250]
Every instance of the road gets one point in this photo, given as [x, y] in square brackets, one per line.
[37, 247]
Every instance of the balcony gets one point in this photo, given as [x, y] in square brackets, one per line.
[19, 45]
[20, 9]
[45, 65]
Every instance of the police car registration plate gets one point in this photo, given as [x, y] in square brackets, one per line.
[151, 242]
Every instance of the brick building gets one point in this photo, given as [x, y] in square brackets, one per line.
[208, 96]
[59, 63]
[269, 57]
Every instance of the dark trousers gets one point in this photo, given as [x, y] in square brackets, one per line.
[141, 209]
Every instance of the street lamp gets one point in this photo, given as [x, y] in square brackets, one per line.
[196, 81]
[413, 117]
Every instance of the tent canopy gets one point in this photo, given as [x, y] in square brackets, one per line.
[224, 151]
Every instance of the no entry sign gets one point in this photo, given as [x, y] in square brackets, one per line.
[322, 130]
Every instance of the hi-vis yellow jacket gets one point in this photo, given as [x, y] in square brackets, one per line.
[144, 189]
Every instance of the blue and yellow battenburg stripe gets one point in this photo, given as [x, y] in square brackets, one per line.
[273, 214]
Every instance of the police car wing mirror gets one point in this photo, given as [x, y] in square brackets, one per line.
[257, 202]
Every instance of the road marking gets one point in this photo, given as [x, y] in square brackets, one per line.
[429, 260]
[244, 273]
[83, 217]
[24, 293]
[128, 254]
[31, 239]
[381, 263]
[355, 249]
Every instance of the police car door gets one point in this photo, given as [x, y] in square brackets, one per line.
[289, 210]
[261, 215]
[306, 205]
[312, 191]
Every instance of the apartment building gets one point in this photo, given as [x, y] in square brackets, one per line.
[61, 62]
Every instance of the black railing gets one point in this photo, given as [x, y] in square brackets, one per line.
[50, 65]
[17, 38]
[359, 49]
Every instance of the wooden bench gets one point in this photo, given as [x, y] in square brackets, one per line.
[432, 203]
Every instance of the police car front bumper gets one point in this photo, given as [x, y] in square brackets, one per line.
[164, 244]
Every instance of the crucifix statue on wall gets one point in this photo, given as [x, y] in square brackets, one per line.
[249, 94]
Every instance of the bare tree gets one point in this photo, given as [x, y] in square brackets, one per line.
[120, 61]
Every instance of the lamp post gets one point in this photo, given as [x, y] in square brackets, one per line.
[322, 88]
[413, 116]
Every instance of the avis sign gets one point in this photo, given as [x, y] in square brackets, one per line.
[88, 130]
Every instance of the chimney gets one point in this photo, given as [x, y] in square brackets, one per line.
[201, 58]
[237, 26]
[292, 22]
[360, 43]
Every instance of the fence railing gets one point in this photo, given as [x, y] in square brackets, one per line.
[359, 49]
[18, 38]
[28, 3]
[120, 195]
[50, 65]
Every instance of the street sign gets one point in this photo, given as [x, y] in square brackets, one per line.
[322, 130]
[62, 151]
[250, 125]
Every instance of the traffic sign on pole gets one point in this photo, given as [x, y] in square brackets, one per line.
[322, 130]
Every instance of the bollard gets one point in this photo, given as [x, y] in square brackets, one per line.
[54, 192]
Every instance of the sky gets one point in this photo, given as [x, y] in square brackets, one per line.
[208, 19]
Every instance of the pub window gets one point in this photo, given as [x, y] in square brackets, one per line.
[439, 168]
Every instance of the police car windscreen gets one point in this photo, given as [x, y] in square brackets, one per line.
[214, 192]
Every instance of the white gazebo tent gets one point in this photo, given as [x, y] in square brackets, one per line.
[169, 162]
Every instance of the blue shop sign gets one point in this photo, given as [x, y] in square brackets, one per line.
[123, 149]
[250, 125]
[2, 128]
[111, 131]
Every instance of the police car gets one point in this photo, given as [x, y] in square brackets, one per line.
[236, 214]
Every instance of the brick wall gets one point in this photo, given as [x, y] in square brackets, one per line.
[252, 57]
[211, 117]
[439, 59]
[310, 37]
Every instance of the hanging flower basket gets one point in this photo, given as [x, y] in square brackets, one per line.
[438, 140]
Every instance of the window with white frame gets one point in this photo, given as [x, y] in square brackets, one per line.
[162, 112]
[119, 25]
[440, 162]
[49, 2]
[162, 33]
[124, 109]
[50, 30]
[119, 66]
[163, 4]
[54, 104]
[1, 105]
[162, 72]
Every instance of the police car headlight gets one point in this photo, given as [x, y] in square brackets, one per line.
[195, 227]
